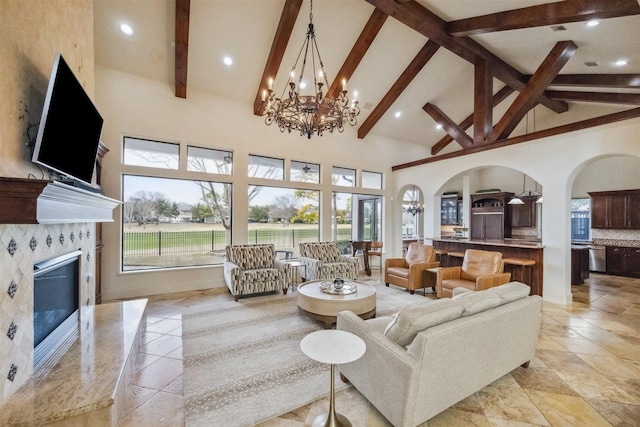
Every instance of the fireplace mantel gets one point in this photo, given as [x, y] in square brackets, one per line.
[36, 201]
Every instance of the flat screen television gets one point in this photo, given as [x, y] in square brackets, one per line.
[70, 127]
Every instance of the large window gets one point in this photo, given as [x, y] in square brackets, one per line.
[174, 222]
[580, 217]
[284, 217]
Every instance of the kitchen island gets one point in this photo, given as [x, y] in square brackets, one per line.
[510, 248]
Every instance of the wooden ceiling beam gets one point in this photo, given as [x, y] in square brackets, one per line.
[181, 47]
[528, 97]
[362, 44]
[603, 97]
[417, 17]
[543, 15]
[455, 131]
[598, 80]
[498, 97]
[412, 70]
[278, 47]
[482, 99]
[546, 133]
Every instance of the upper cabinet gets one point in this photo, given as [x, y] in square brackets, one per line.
[451, 210]
[490, 216]
[524, 215]
[615, 209]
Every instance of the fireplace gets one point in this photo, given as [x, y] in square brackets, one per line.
[55, 305]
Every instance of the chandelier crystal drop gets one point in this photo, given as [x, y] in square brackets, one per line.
[314, 113]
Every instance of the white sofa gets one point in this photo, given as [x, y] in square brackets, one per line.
[429, 357]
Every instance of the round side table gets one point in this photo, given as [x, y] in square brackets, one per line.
[333, 347]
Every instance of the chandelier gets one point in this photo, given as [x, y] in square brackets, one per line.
[413, 208]
[526, 194]
[309, 114]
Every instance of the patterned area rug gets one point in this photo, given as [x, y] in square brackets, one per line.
[242, 360]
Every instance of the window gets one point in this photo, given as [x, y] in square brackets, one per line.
[409, 221]
[372, 180]
[155, 154]
[266, 167]
[341, 215]
[580, 217]
[208, 160]
[284, 217]
[305, 172]
[174, 222]
[344, 177]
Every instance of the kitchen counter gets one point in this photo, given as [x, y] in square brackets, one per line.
[512, 243]
[510, 248]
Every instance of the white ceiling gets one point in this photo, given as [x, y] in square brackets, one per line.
[244, 30]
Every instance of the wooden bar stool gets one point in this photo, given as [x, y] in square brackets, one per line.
[525, 264]
[439, 253]
[455, 255]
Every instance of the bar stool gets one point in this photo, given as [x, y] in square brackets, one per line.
[525, 264]
[439, 253]
[455, 255]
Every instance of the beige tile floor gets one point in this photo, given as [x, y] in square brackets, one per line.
[586, 371]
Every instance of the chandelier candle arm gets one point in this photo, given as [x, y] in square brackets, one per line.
[309, 114]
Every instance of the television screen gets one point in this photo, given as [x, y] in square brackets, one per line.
[70, 127]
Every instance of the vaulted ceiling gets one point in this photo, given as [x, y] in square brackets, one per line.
[489, 72]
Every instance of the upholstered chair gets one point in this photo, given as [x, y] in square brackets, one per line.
[480, 270]
[408, 272]
[322, 260]
[251, 269]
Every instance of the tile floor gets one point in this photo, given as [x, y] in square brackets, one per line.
[586, 371]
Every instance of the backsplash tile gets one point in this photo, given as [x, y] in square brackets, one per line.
[615, 237]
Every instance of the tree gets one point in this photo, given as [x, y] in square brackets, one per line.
[284, 208]
[143, 207]
[307, 214]
[200, 211]
[165, 207]
[259, 213]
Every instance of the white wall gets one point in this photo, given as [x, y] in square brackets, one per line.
[136, 106]
[553, 162]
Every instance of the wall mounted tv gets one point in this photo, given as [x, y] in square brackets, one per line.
[70, 127]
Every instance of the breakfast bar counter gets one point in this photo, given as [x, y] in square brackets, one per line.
[524, 258]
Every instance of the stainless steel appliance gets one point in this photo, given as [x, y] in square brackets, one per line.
[597, 258]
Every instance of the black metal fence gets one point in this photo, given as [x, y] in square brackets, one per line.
[203, 242]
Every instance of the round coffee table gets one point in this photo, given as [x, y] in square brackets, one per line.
[325, 307]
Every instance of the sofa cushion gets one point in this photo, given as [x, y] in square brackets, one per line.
[475, 302]
[380, 324]
[411, 320]
[511, 291]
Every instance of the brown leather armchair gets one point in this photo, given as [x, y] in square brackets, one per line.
[480, 270]
[408, 272]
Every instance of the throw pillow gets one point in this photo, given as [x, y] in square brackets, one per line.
[475, 302]
[412, 320]
[511, 291]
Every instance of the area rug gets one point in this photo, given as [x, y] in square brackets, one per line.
[242, 360]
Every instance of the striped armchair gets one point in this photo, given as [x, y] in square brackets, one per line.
[322, 260]
[251, 269]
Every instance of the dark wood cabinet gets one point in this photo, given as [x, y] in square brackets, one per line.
[524, 215]
[490, 217]
[623, 261]
[579, 264]
[450, 210]
[615, 209]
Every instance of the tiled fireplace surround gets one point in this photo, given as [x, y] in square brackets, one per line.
[21, 247]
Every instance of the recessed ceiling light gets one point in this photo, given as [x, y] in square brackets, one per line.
[439, 126]
[398, 114]
[621, 62]
[126, 29]
[593, 23]
[227, 61]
